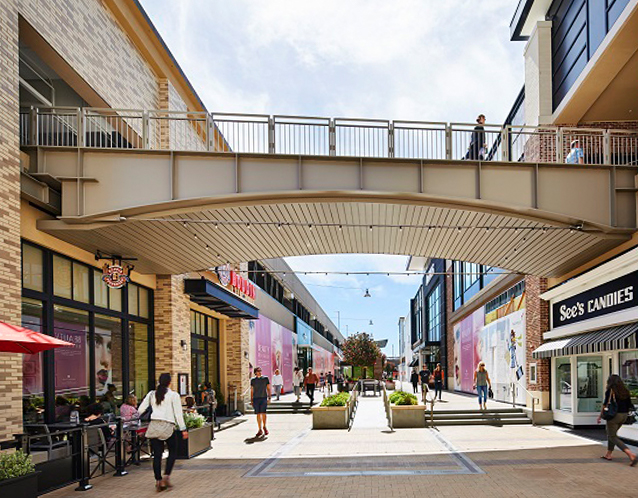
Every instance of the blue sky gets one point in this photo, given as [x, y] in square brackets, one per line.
[428, 60]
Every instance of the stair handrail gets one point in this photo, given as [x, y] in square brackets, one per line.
[535, 400]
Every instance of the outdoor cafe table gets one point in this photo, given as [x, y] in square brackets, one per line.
[134, 430]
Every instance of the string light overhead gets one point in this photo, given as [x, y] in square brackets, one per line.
[579, 227]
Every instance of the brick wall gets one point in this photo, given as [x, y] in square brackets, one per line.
[10, 272]
[237, 364]
[89, 38]
[172, 325]
[537, 322]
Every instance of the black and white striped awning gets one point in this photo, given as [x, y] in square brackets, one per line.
[414, 362]
[621, 337]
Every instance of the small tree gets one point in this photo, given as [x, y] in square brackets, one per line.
[360, 350]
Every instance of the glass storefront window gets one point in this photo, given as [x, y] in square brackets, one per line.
[81, 283]
[204, 349]
[108, 354]
[100, 290]
[32, 268]
[71, 364]
[563, 386]
[62, 277]
[144, 302]
[133, 305]
[629, 372]
[115, 299]
[32, 385]
[138, 359]
[589, 371]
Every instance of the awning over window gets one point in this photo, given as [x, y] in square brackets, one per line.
[216, 298]
[621, 337]
[414, 362]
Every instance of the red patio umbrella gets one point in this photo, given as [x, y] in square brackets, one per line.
[21, 340]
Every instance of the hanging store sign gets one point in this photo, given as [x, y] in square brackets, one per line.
[616, 295]
[115, 276]
[239, 284]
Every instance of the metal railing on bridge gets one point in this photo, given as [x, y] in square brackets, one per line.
[318, 136]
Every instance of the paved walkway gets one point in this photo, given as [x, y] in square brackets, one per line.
[372, 461]
[370, 414]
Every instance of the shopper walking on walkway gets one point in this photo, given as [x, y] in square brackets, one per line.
[277, 383]
[414, 378]
[297, 382]
[615, 410]
[438, 381]
[482, 383]
[310, 382]
[478, 146]
[424, 375]
[259, 398]
[166, 406]
[329, 380]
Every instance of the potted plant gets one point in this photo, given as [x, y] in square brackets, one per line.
[17, 475]
[406, 410]
[333, 413]
[198, 436]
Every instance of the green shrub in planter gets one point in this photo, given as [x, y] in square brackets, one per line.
[16, 464]
[194, 420]
[340, 399]
[403, 398]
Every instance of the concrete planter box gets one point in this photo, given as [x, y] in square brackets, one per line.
[408, 416]
[197, 443]
[331, 417]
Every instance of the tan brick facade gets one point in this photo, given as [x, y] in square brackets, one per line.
[238, 367]
[10, 272]
[172, 325]
[537, 323]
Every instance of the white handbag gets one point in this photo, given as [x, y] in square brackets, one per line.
[160, 429]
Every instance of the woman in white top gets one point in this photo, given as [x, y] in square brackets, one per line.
[277, 383]
[167, 411]
[297, 382]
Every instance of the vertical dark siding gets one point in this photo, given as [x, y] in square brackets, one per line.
[578, 29]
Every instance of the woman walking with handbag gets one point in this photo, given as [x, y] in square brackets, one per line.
[615, 411]
[482, 384]
[166, 413]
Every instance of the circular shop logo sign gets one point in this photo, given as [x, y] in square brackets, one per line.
[223, 273]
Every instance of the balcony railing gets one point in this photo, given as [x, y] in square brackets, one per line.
[317, 136]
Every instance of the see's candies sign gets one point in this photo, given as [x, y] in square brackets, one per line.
[230, 278]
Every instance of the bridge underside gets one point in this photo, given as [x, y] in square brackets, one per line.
[163, 243]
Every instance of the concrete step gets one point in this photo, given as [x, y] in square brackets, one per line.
[488, 411]
[475, 416]
[484, 421]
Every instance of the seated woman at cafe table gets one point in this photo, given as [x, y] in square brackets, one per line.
[190, 405]
[95, 417]
[128, 411]
[108, 400]
[62, 409]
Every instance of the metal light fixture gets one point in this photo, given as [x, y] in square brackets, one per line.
[184, 345]
[371, 322]
[367, 294]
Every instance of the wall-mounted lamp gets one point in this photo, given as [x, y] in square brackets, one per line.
[246, 354]
[184, 345]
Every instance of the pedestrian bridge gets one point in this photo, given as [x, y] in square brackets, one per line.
[186, 191]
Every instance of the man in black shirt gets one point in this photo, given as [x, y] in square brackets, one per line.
[259, 397]
[424, 374]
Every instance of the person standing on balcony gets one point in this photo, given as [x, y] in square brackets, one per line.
[478, 145]
[576, 155]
